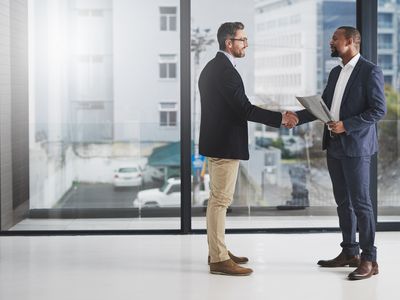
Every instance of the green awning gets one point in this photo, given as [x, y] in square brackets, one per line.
[166, 156]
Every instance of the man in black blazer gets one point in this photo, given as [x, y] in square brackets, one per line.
[355, 96]
[225, 110]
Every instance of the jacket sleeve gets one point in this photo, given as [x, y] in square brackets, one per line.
[233, 90]
[304, 115]
[375, 101]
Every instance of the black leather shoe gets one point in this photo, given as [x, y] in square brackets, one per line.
[342, 260]
[365, 270]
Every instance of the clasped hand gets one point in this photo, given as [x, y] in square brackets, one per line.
[336, 127]
[289, 119]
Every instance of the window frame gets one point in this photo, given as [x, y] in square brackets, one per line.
[168, 18]
[367, 17]
[163, 108]
[168, 61]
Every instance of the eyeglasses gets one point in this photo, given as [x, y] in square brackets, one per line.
[244, 40]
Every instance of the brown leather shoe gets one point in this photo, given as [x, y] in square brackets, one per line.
[341, 260]
[365, 270]
[229, 267]
[237, 259]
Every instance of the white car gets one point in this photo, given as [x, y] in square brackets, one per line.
[169, 195]
[128, 177]
[294, 144]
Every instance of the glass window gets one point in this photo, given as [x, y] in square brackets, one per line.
[163, 70]
[385, 20]
[288, 55]
[385, 40]
[167, 66]
[385, 61]
[91, 62]
[128, 170]
[384, 2]
[176, 188]
[104, 144]
[388, 79]
[168, 114]
[389, 141]
[168, 18]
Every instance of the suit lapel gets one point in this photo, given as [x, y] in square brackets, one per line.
[335, 77]
[352, 78]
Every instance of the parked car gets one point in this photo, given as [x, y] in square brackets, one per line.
[170, 195]
[152, 174]
[293, 144]
[128, 177]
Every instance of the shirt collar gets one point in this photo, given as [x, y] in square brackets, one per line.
[352, 63]
[229, 56]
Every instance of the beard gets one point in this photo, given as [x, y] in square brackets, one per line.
[239, 53]
[334, 53]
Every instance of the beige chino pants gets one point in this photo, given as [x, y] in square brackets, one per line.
[223, 175]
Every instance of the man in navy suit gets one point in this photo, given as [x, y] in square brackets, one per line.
[225, 111]
[355, 96]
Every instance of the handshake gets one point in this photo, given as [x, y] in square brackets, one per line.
[289, 119]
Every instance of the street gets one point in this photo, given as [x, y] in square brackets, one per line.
[99, 195]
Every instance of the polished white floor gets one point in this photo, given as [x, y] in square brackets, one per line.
[174, 267]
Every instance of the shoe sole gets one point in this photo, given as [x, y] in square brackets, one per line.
[341, 266]
[376, 272]
[360, 278]
[228, 274]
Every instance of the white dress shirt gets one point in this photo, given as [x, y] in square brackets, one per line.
[230, 57]
[344, 76]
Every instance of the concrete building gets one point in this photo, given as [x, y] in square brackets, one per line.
[285, 56]
[388, 40]
[292, 56]
[96, 79]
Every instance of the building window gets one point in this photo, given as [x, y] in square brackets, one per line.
[168, 66]
[385, 20]
[89, 77]
[385, 41]
[168, 18]
[385, 61]
[384, 2]
[168, 114]
[388, 79]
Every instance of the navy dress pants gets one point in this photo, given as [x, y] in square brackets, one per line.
[351, 179]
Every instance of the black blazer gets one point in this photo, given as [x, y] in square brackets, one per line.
[225, 110]
[363, 105]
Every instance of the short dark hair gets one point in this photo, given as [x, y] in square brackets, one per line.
[352, 32]
[227, 31]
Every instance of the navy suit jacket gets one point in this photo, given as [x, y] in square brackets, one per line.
[363, 105]
[225, 110]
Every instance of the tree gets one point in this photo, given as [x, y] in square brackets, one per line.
[389, 128]
[200, 39]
